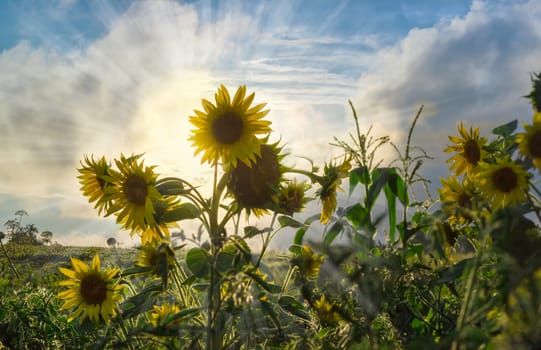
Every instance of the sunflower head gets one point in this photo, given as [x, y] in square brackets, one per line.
[228, 131]
[504, 183]
[256, 186]
[133, 193]
[308, 262]
[93, 293]
[94, 177]
[469, 150]
[160, 314]
[292, 197]
[529, 142]
[330, 184]
[458, 198]
[327, 311]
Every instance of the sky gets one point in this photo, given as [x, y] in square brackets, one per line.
[108, 77]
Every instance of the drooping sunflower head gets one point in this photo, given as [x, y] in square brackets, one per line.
[93, 293]
[255, 187]
[94, 177]
[504, 183]
[469, 149]
[153, 254]
[228, 131]
[529, 142]
[330, 184]
[308, 262]
[292, 197]
[133, 194]
[327, 311]
[161, 313]
[458, 198]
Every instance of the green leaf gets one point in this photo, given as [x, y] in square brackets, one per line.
[398, 186]
[141, 302]
[252, 231]
[505, 129]
[180, 315]
[197, 261]
[454, 271]
[269, 287]
[292, 306]
[331, 234]
[171, 188]
[357, 176]
[380, 177]
[136, 270]
[391, 210]
[299, 235]
[184, 211]
[359, 216]
[286, 221]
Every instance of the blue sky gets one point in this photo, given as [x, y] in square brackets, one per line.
[105, 77]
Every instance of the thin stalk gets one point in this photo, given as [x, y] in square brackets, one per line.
[9, 260]
[467, 299]
[266, 240]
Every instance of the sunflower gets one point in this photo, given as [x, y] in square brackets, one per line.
[308, 262]
[504, 183]
[327, 311]
[469, 150]
[330, 184]
[457, 198]
[291, 198]
[255, 188]
[94, 292]
[133, 193]
[94, 177]
[162, 312]
[148, 256]
[529, 142]
[229, 129]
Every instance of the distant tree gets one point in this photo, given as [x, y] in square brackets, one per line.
[17, 233]
[111, 242]
[46, 237]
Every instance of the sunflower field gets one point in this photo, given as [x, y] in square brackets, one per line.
[456, 270]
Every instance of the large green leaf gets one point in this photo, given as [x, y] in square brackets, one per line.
[332, 232]
[171, 187]
[359, 216]
[391, 211]
[286, 221]
[505, 129]
[197, 261]
[380, 176]
[292, 306]
[184, 211]
[398, 187]
[357, 176]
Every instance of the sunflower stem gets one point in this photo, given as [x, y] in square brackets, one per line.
[214, 334]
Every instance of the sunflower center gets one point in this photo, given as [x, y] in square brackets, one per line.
[534, 145]
[101, 182]
[136, 189]
[93, 289]
[505, 179]
[227, 128]
[464, 200]
[472, 152]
